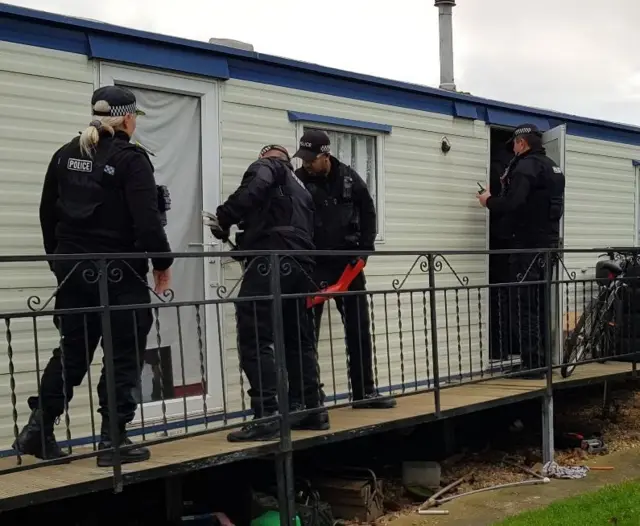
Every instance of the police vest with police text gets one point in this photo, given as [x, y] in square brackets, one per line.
[90, 192]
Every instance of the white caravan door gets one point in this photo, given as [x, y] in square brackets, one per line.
[180, 128]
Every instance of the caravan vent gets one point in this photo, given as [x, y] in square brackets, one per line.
[229, 42]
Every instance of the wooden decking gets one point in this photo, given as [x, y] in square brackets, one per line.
[51, 482]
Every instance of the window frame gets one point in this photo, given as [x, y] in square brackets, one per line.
[379, 137]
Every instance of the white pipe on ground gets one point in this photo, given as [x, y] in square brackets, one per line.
[531, 482]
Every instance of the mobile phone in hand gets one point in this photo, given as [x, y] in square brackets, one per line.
[481, 188]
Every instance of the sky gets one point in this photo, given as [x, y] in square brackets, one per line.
[574, 56]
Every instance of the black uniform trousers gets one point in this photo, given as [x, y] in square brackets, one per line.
[527, 305]
[255, 323]
[81, 333]
[354, 311]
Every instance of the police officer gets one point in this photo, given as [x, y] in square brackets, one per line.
[99, 196]
[530, 206]
[345, 220]
[276, 213]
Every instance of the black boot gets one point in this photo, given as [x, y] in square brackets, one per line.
[311, 422]
[127, 456]
[30, 439]
[374, 401]
[256, 431]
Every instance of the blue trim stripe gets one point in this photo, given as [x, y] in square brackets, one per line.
[171, 58]
[109, 42]
[31, 33]
[465, 111]
[509, 118]
[298, 116]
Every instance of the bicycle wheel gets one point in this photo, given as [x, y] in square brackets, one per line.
[585, 334]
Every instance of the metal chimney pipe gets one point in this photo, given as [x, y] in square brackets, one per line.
[445, 8]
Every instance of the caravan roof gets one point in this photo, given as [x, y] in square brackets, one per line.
[108, 42]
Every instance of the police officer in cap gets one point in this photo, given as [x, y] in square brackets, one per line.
[530, 206]
[276, 212]
[345, 220]
[99, 196]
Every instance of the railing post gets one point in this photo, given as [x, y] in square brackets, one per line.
[634, 361]
[547, 402]
[107, 346]
[284, 458]
[434, 333]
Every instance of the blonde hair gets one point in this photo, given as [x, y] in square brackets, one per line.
[90, 137]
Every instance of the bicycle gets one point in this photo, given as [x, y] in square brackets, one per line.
[594, 330]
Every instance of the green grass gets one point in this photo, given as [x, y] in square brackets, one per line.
[612, 505]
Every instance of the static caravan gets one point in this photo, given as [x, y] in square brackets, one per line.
[210, 109]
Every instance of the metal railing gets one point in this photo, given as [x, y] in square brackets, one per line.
[427, 321]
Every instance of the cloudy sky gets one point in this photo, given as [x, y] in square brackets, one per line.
[574, 56]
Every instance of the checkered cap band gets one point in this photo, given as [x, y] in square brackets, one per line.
[526, 130]
[277, 147]
[121, 111]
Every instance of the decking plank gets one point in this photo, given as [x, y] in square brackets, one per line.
[344, 420]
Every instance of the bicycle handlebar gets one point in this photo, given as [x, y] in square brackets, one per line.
[622, 253]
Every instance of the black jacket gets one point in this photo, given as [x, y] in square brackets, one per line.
[273, 208]
[531, 202]
[108, 204]
[345, 213]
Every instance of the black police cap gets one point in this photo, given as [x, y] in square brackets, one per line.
[312, 144]
[525, 129]
[120, 101]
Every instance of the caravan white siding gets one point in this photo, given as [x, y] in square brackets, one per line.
[600, 204]
[44, 98]
[429, 204]
[600, 196]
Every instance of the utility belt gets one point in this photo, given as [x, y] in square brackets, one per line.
[244, 243]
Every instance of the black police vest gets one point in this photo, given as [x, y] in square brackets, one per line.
[288, 212]
[91, 203]
[537, 223]
[337, 219]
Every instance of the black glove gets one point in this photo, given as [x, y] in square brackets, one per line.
[220, 233]
[214, 225]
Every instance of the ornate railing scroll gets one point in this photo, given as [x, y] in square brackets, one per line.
[437, 266]
[570, 274]
[262, 265]
[422, 263]
[33, 302]
[92, 275]
[540, 260]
